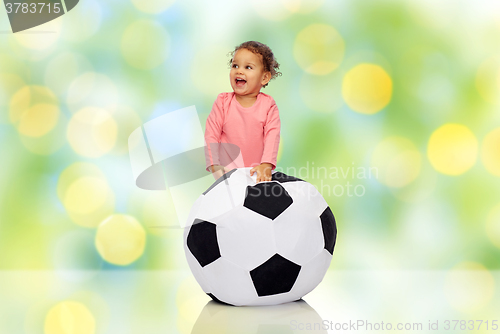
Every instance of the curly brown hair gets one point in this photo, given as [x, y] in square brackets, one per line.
[270, 63]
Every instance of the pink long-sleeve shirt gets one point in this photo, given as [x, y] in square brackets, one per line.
[255, 130]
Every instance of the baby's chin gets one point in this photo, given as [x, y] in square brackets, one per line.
[238, 91]
[245, 91]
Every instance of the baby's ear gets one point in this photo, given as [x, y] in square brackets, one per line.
[266, 78]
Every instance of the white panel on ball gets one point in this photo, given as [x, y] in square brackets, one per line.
[246, 238]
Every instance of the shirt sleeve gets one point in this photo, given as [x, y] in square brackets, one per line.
[271, 136]
[213, 132]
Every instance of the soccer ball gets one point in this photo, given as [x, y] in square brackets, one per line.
[259, 244]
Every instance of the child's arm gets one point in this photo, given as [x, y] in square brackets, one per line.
[213, 133]
[271, 137]
[271, 146]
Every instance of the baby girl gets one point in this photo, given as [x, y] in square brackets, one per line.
[245, 118]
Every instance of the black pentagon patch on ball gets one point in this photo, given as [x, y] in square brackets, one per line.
[202, 242]
[269, 199]
[224, 177]
[282, 178]
[329, 229]
[276, 275]
[218, 300]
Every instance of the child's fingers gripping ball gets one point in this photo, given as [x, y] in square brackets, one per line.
[264, 172]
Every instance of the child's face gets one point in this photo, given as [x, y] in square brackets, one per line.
[247, 73]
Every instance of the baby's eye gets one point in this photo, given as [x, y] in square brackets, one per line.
[235, 66]
[250, 67]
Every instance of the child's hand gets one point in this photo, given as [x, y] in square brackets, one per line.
[217, 171]
[263, 171]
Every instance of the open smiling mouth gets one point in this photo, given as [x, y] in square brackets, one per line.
[240, 82]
